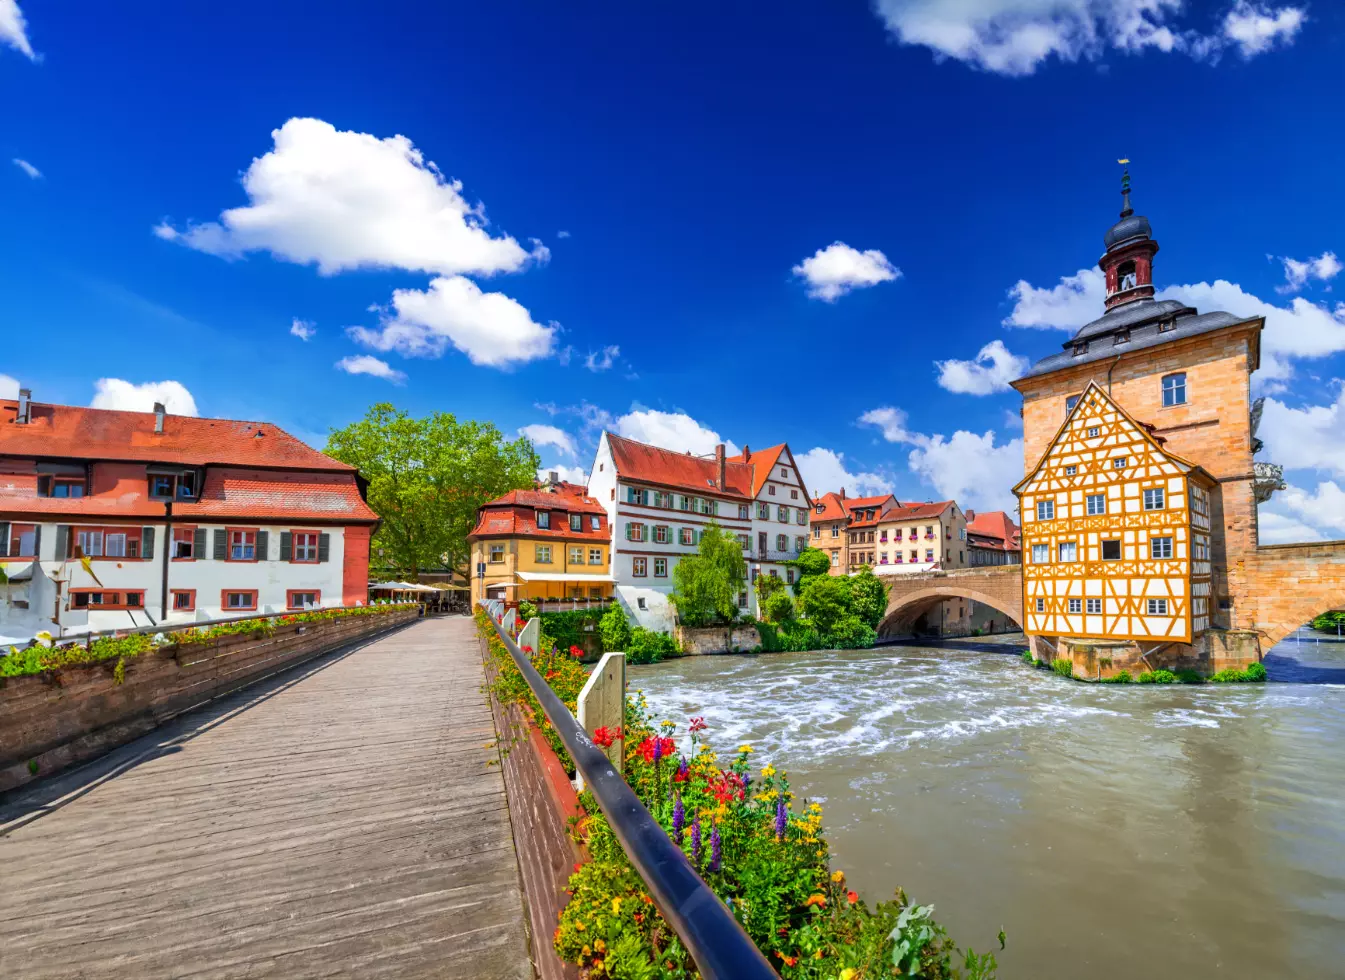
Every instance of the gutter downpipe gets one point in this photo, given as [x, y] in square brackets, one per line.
[1110, 370]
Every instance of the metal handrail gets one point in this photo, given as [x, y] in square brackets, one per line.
[714, 938]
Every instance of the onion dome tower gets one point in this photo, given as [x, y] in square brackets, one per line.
[1128, 262]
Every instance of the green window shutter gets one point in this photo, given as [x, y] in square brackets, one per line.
[62, 541]
[286, 546]
[147, 542]
[644, 532]
[221, 545]
[324, 547]
[198, 543]
[263, 546]
[4, 538]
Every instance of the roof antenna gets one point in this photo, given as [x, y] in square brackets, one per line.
[1126, 209]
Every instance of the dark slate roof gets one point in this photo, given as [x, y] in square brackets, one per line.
[1130, 315]
[1132, 226]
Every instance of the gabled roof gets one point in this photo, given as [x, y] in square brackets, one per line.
[72, 432]
[917, 512]
[835, 507]
[997, 527]
[515, 514]
[570, 497]
[763, 463]
[639, 462]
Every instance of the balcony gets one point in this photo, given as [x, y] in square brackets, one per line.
[774, 554]
[1267, 478]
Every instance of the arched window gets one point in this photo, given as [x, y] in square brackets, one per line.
[1125, 276]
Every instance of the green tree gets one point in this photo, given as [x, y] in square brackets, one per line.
[706, 584]
[426, 478]
[773, 599]
[811, 563]
[868, 596]
[825, 602]
[614, 629]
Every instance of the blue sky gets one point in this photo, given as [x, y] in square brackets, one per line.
[688, 224]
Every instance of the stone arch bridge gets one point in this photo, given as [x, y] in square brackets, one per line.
[911, 596]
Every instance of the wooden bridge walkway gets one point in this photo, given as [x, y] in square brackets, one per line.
[347, 819]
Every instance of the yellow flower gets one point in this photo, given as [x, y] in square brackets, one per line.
[599, 945]
[579, 927]
[586, 951]
[746, 749]
[768, 772]
[817, 955]
[847, 974]
[815, 807]
[838, 876]
[616, 906]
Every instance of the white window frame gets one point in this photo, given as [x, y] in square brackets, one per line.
[1045, 510]
[1175, 393]
[1160, 548]
[496, 549]
[542, 554]
[1073, 552]
[1100, 498]
[595, 556]
[1157, 607]
[1074, 605]
[1155, 494]
[1041, 554]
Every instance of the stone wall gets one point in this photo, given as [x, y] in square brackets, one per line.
[912, 596]
[73, 714]
[1287, 586]
[717, 639]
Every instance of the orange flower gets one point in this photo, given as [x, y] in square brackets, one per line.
[852, 897]
[789, 960]
[818, 900]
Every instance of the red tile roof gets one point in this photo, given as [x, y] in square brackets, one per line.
[566, 496]
[996, 529]
[72, 432]
[763, 464]
[917, 512]
[640, 463]
[835, 507]
[515, 514]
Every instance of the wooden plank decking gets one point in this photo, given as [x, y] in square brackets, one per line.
[345, 819]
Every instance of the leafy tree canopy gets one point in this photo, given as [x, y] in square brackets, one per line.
[825, 600]
[868, 596]
[427, 477]
[706, 584]
[811, 562]
[614, 628]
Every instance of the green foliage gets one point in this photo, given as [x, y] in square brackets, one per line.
[706, 584]
[526, 610]
[794, 636]
[1028, 659]
[868, 596]
[778, 607]
[1123, 677]
[1190, 677]
[825, 601]
[1330, 622]
[568, 628]
[32, 767]
[649, 647]
[852, 633]
[427, 477]
[614, 629]
[810, 563]
[1063, 666]
[1254, 674]
[1157, 677]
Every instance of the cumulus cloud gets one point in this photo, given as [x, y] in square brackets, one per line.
[27, 167]
[1307, 438]
[1322, 509]
[670, 430]
[343, 200]
[490, 328]
[972, 469]
[9, 387]
[602, 360]
[1276, 528]
[372, 366]
[824, 471]
[833, 271]
[303, 329]
[1014, 37]
[570, 474]
[1067, 305]
[1297, 272]
[990, 372]
[123, 396]
[14, 29]
[549, 435]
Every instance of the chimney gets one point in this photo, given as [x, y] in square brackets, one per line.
[971, 516]
[722, 471]
[842, 493]
[158, 418]
[25, 406]
[747, 453]
[553, 477]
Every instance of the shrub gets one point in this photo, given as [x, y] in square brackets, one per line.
[810, 563]
[706, 584]
[526, 610]
[568, 628]
[1254, 674]
[1190, 677]
[1122, 677]
[852, 633]
[649, 647]
[825, 601]
[614, 629]
[1063, 667]
[1157, 677]
[1028, 659]
[778, 607]
[793, 636]
[868, 596]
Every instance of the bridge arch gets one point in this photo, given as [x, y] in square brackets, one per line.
[911, 596]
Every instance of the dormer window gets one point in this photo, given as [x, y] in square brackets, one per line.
[60, 486]
[544, 519]
[1125, 276]
[1165, 325]
[1121, 337]
[1081, 348]
[173, 486]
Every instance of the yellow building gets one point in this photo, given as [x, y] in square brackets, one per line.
[543, 545]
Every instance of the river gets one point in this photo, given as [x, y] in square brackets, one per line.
[1168, 833]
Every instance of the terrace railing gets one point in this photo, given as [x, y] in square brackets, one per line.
[713, 937]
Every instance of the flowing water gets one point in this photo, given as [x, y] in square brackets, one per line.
[1114, 832]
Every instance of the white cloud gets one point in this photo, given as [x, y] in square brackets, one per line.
[1014, 37]
[892, 422]
[833, 271]
[1274, 528]
[562, 234]
[124, 396]
[603, 359]
[670, 430]
[24, 165]
[303, 329]
[14, 30]
[570, 474]
[1067, 305]
[549, 435]
[372, 366]
[1322, 509]
[1256, 28]
[824, 471]
[1297, 273]
[991, 371]
[490, 328]
[1307, 438]
[345, 200]
[9, 387]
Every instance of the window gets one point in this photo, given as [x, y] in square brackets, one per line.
[301, 598]
[184, 543]
[835, 530]
[662, 534]
[742, 600]
[496, 553]
[745, 541]
[781, 543]
[686, 536]
[1041, 605]
[636, 496]
[60, 486]
[1153, 499]
[1160, 547]
[239, 600]
[915, 555]
[686, 502]
[1158, 607]
[1069, 551]
[595, 592]
[793, 495]
[22, 541]
[242, 546]
[1165, 325]
[107, 543]
[1119, 463]
[782, 514]
[1125, 276]
[660, 568]
[1071, 470]
[544, 519]
[1111, 550]
[744, 512]
[771, 489]
[595, 556]
[1045, 510]
[576, 555]
[800, 543]
[639, 603]
[184, 600]
[1094, 605]
[817, 532]
[1096, 503]
[662, 499]
[882, 557]
[543, 554]
[929, 554]
[89, 543]
[114, 545]
[835, 558]
[1075, 605]
[1070, 402]
[763, 512]
[635, 531]
[304, 546]
[801, 516]
[161, 486]
[1081, 347]
[639, 567]
[576, 522]
[107, 599]
[1094, 432]
[1174, 389]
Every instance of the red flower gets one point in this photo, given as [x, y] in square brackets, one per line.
[604, 737]
[852, 897]
[528, 651]
[697, 725]
[789, 960]
[576, 652]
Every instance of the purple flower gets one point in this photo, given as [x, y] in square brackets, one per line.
[714, 848]
[658, 750]
[679, 819]
[683, 771]
[781, 818]
[696, 841]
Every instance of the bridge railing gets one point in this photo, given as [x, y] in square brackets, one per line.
[713, 937]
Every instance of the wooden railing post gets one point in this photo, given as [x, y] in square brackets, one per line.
[602, 704]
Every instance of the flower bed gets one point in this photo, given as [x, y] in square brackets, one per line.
[765, 857]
